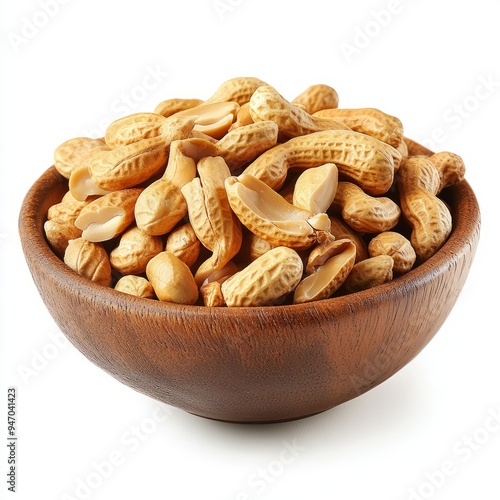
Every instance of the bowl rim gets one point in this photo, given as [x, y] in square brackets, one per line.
[466, 221]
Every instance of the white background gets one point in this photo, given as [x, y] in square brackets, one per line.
[69, 68]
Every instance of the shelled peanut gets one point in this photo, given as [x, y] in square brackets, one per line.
[249, 199]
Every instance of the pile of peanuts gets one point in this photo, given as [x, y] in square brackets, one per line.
[248, 199]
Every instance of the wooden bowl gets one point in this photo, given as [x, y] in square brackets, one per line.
[262, 364]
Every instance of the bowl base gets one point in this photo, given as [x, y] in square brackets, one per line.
[259, 422]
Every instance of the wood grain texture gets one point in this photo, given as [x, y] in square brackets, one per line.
[252, 364]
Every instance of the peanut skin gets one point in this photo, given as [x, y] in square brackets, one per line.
[365, 213]
[419, 183]
[135, 285]
[266, 280]
[60, 224]
[129, 165]
[171, 279]
[268, 215]
[267, 104]
[369, 273]
[340, 230]
[171, 106]
[133, 128]
[224, 227]
[450, 166]
[72, 153]
[248, 199]
[89, 260]
[108, 216]
[134, 251]
[369, 121]
[239, 89]
[364, 159]
[317, 97]
[397, 247]
[183, 243]
[245, 143]
[331, 266]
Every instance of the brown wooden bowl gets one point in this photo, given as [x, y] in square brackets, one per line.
[261, 364]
